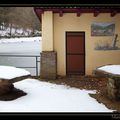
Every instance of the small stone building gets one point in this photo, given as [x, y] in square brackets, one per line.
[78, 39]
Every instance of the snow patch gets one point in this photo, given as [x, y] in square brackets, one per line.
[9, 72]
[114, 69]
[19, 40]
[48, 97]
[18, 32]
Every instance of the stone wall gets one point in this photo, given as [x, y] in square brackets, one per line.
[48, 68]
[113, 84]
[113, 88]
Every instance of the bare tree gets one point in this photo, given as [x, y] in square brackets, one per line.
[23, 17]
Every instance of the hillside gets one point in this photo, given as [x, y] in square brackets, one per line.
[18, 32]
[18, 22]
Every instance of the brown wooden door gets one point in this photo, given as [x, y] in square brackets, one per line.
[75, 53]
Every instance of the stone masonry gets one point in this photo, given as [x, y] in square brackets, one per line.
[48, 69]
[113, 84]
[113, 88]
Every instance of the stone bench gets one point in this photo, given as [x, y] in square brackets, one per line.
[113, 84]
[5, 87]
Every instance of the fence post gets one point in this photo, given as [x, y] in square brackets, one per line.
[36, 67]
[36, 62]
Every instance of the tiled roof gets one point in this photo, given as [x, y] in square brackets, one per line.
[78, 6]
[78, 9]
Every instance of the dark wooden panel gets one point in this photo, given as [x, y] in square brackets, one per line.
[75, 52]
[75, 33]
[75, 63]
[75, 44]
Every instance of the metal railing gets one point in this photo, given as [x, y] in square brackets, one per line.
[27, 56]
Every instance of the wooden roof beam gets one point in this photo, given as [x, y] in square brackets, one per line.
[78, 13]
[113, 13]
[60, 13]
[39, 13]
[96, 13]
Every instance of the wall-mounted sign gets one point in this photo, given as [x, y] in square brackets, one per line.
[102, 28]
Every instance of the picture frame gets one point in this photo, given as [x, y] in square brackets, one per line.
[102, 28]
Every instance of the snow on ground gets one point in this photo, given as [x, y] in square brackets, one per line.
[20, 45]
[48, 97]
[22, 39]
[9, 72]
[17, 31]
[114, 69]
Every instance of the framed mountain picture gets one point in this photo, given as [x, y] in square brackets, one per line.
[102, 28]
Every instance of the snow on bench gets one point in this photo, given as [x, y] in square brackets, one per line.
[10, 72]
[108, 71]
[113, 69]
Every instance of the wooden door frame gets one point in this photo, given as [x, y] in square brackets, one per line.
[84, 48]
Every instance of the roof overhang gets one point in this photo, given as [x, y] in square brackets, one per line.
[96, 10]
